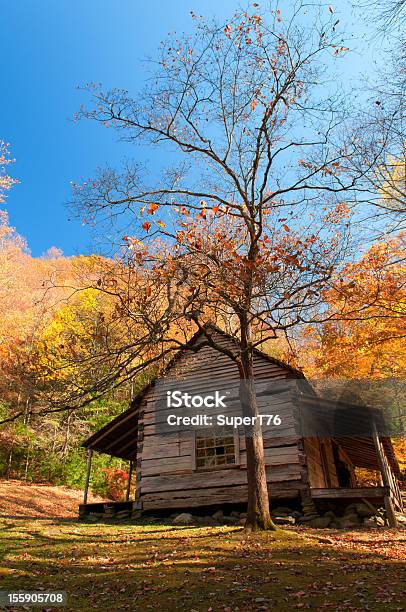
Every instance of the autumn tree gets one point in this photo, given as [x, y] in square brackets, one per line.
[366, 341]
[43, 316]
[26, 307]
[46, 322]
[250, 222]
[84, 324]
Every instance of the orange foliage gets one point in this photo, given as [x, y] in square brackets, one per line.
[40, 315]
[369, 340]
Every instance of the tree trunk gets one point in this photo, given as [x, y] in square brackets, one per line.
[67, 438]
[26, 411]
[10, 457]
[258, 514]
[27, 461]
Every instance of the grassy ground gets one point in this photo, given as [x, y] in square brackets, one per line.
[155, 566]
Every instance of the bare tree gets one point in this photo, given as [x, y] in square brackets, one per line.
[390, 13]
[380, 144]
[250, 223]
[380, 129]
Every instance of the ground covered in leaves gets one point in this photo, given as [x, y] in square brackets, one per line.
[24, 499]
[156, 566]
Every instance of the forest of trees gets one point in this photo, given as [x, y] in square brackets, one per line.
[42, 318]
[36, 322]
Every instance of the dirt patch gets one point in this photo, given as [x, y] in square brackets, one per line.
[22, 499]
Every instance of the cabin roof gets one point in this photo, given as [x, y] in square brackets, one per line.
[363, 454]
[116, 438]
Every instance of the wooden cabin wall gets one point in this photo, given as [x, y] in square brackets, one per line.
[331, 480]
[313, 460]
[321, 467]
[166, 477]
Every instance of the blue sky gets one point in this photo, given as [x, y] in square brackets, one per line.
[48, 48]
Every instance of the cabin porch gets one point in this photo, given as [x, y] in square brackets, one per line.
[335, 482]
[118, 439]
[374, 495]
[354, 443]
[376, 454]
[108, 509]
[373, 454]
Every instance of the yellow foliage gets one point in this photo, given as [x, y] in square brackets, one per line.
[370, 302]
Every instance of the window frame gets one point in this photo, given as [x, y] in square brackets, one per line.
[215, 468]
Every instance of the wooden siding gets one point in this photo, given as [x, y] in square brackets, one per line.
[313, 461]
[166, 477]
[320, 464]
[212, 496]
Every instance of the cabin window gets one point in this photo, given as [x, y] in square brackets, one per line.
[216, 450]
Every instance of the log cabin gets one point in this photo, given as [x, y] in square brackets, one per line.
[189, 468]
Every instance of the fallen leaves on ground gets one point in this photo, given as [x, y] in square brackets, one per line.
[23, 499]
[156, 566]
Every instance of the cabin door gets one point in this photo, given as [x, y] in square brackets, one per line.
[343, 473]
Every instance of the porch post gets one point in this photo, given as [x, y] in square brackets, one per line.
[390, 512]
[130, 472]
[88, 466]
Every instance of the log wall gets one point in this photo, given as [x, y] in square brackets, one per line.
[166, 474]
[321, 469]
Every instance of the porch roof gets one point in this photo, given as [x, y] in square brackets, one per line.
[119, 437]
[362, 452]
[356, 417]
